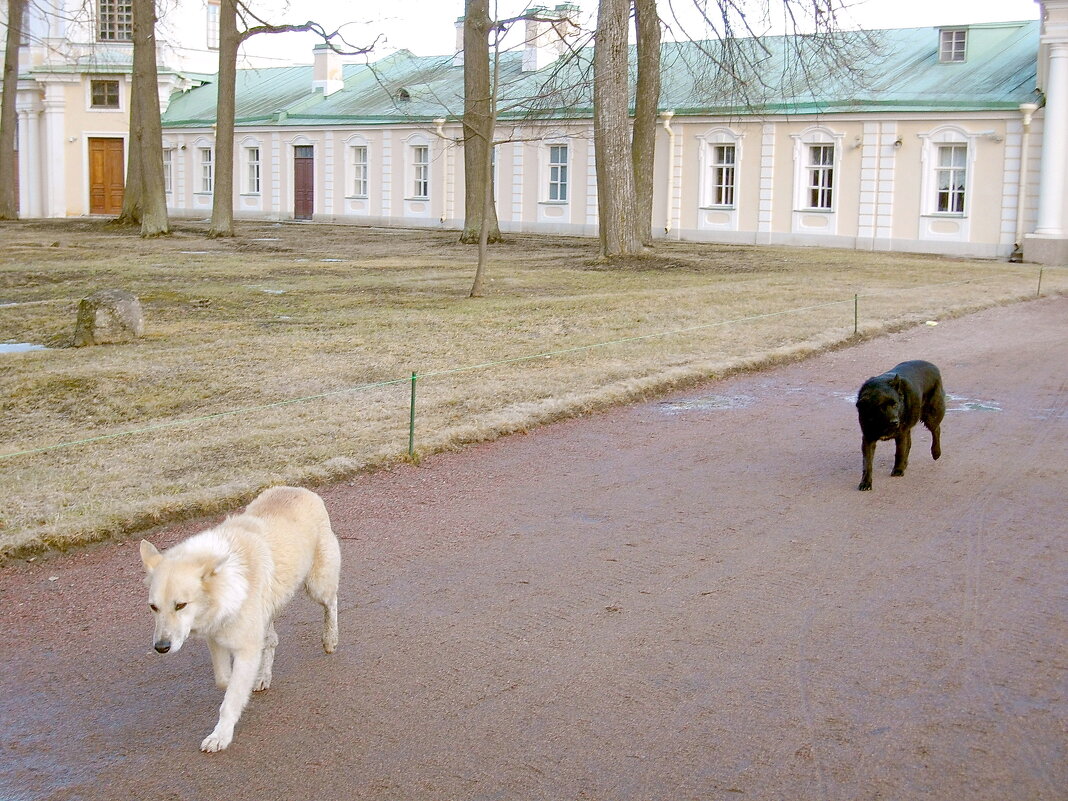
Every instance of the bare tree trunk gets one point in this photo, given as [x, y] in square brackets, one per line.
[488, 217]
[147, 129]
[617, 213]
[478, 125]
[222, 202]
[9, 201]
[646, 106]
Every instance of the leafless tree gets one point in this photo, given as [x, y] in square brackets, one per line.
[478, 128]
[646, 109]
[9, 201]
[617, 209]
[237, 23]
[144, 198]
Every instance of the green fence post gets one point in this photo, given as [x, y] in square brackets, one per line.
[411, 422]
[856, 314]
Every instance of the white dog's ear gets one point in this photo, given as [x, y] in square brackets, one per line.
[150, 556]
[213, 566]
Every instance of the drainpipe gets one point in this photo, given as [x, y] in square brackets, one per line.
[665, 119]
[439, 128]
[1027, 110]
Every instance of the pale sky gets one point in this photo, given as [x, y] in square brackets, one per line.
[427, 27]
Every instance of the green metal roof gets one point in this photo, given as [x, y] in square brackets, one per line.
[883, 71]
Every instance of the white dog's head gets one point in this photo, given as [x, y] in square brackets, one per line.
[177, 592]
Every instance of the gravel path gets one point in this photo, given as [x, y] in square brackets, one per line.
[682, 599]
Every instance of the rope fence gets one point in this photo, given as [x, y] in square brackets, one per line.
[415, 376]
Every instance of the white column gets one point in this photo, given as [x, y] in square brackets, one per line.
[29, 164]
[1054, 136]
[53, 152]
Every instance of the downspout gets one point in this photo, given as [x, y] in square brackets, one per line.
[665, 118]
[439, 129]
[1027, 110]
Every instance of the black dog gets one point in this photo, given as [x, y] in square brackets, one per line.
[889, 405]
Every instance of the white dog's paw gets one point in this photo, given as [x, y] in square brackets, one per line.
[330, 639]
[215, 742]
[261, 684]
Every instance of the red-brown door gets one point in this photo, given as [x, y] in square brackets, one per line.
[106, 176]
[303, 182]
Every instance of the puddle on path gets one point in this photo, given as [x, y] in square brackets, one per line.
[706, 403]
[958, 403]
[19, 347]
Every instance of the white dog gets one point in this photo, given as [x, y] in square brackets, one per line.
[228, 583]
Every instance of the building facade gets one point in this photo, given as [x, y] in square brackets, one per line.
[945, 140]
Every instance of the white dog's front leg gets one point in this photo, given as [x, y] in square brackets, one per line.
[246, 666]
[220, 663]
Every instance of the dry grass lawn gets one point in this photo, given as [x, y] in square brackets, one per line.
[259, 351]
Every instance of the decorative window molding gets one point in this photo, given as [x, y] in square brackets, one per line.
[417, 165]
[252, 169]
[817, 155]
[953, 45]
[168, 170]
[206, 158]
[947, 161]
[554, 167]
[719, 155]
[358, 166]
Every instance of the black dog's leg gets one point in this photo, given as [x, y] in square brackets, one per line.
[932, 418]
[901, 457]
[867, 447]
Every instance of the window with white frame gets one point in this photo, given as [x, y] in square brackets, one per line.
[819, 169]
[168, 170]
[420, 172]
[213, 24]
[114, 22]
[951, 178]
[722, 160]
[558, 179]
[252, 170]
[103, 93]
[359, 170]
[207, 170]
[952, 45]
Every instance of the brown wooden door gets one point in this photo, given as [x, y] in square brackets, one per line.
[106, 176]
[303, 182]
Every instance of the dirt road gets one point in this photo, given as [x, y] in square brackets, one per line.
[683, 599]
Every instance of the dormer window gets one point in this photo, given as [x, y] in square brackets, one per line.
[952, 45]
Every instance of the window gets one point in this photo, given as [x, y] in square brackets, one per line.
[213, 24]
[952, 45]
[104, 94]
[252, 166]
[421, 171]
[951, 171]
[359, 170]
[207, 170]
[168, 170]
[820, 169]
[114, 21]
[558, 173]
[722, 165]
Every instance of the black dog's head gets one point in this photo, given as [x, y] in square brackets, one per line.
[881, 406]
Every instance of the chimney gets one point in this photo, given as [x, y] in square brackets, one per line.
[566, 27]
[326, 70]
[458, 59]
[537, 52]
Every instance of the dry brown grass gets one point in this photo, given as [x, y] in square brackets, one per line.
[238, 328]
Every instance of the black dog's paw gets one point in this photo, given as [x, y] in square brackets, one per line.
[897, 472]
[864, 485]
